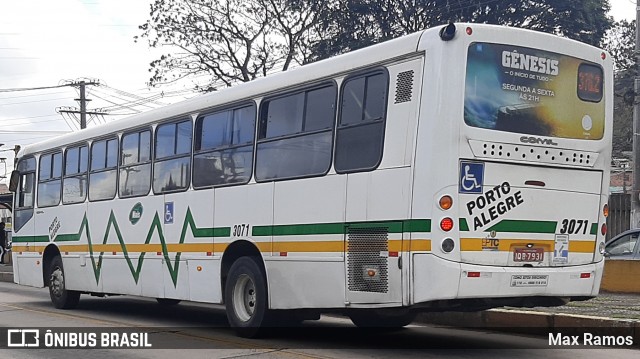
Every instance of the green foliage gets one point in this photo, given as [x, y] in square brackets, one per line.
[220, 42]
[358, 23]
[620, 43]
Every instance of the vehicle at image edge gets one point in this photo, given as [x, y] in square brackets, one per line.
[459, 168]
[624, 246]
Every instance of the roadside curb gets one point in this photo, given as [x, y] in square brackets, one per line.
[6, 277]
[531, 322]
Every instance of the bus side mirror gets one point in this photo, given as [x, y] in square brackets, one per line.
[13, 182]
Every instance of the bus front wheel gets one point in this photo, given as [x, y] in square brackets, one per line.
[245, 297]
[61, 297]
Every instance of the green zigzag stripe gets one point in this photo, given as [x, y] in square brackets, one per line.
[156, 225]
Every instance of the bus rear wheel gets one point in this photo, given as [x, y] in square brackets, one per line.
[382, 319]
[167, 302]
[61, 297]
[245, 297]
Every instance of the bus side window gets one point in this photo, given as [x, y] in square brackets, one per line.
[224, 147]
[50, 179]
[104, 171]
[74, 186]
[172, 166]
[360, 137]
[296, 134]
[135, 164]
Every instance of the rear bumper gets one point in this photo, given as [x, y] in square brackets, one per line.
[437, 279]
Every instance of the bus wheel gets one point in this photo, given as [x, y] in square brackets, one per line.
[381, 319]
[60, 296]
[245, 297]
[167, 301]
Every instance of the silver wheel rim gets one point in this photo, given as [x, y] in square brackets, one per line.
[244, 298]
[57, 282]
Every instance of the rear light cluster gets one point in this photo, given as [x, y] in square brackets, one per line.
[445, 203]
[605, 213]
[446, 223]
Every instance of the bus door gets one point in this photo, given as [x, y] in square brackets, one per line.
[373, 262]
[187, 222]
[23, 222]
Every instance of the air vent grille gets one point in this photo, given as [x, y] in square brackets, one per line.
[404, 87]
[493, 150]
[367, 266]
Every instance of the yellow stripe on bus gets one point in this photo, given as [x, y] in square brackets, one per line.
[478, 244]
[288, 246]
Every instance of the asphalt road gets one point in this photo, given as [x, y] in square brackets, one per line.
[192, 330]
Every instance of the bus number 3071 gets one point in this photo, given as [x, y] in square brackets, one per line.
[574, 226]
[241, 230]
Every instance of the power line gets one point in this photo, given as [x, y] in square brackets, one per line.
[23, 118]
[13, 132]
[35, 101]
[33, 88]
[29, 123]
[51, 93]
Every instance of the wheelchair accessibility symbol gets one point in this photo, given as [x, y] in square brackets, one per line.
[471, 177]
[168, 213]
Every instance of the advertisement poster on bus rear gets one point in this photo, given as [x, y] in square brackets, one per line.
[529, 91]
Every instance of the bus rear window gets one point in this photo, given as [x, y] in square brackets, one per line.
[529, 91]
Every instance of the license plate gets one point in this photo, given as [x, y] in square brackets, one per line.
[528, 254]
[529, 280]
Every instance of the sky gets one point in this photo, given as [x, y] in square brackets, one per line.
[51, 42]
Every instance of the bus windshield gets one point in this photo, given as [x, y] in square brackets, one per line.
[530, 91]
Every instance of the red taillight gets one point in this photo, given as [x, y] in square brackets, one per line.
[585, 275]
[603, 229]
[473, 274]
[470, 31]
[603, 55]
[446, 224]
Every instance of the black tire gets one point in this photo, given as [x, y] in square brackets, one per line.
[377, 319]
[60, 296]
[167, 302]
[245, 297]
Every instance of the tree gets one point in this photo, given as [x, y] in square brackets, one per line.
[358, 23]
[228, 41]
[620, 43]
[223, 42]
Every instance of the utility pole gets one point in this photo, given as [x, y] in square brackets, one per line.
[635, 194]
[83, 103]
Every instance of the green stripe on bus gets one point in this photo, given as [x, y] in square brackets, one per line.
[27, 239]
[417, 225]
[412, 225]
[463, 225]
[518, 226]
[594, 229]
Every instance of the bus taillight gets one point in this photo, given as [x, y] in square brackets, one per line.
[445, 202]
[446, 224]
[605, 210]
[603, 230]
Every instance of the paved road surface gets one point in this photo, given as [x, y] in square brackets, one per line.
[202, 326]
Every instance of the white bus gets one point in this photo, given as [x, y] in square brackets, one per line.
[458, 168]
